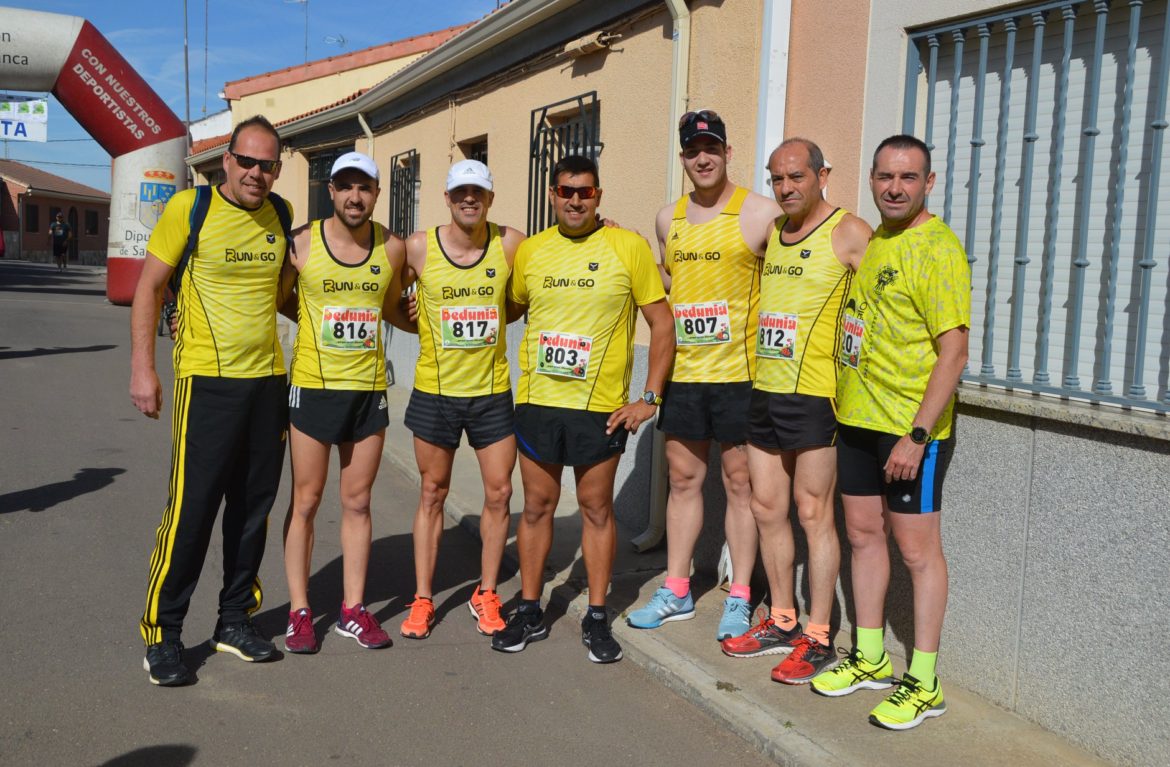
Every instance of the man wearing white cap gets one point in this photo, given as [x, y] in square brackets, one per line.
[348, 273]
[461, 382]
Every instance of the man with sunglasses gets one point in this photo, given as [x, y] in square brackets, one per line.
[711, 242]
[462, 383]
[230, 407]
[348, 272]
[582, 283]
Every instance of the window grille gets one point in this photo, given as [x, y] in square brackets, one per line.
[404, 192]
[572, 126]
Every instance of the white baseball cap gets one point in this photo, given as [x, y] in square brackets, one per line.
[471, 172]
[357, 161]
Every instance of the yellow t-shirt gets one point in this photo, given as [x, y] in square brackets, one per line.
[714, 292]
[338, 344]
[581, 295]
[912, 287]
[802, 291]
[461, 322]
[227, 297]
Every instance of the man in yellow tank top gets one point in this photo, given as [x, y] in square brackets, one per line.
[348, 273]
[229, 413]
[583, 284]
[711, 242]
[462, 383]
[903, 349]
[811, 258]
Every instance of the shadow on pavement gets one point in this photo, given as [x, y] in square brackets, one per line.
[154, 756]
[55, 290]
[47, 496]
[41, 352]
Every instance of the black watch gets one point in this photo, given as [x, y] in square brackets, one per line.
[920, 436]
[650, 398]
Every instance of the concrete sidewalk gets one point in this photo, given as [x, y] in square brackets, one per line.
[791, 725]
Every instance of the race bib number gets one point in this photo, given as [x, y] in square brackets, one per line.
[702, 324]
[350, 330]
[564, 354]
[851, 342]
[777, 337]
[469, 327]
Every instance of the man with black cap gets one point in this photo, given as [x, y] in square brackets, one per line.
[461, 383]
[711, 242]
[348, 274]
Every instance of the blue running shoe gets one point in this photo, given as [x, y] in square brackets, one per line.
[663, 607]
[737, 614]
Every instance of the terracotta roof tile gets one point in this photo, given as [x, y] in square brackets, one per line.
[44, 181]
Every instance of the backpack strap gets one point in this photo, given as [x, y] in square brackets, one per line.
[282, 212]
[194, 226]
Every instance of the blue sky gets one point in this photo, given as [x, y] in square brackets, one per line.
[247, 37]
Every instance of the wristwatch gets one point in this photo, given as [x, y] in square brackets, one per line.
[920, 436]
[650, 398]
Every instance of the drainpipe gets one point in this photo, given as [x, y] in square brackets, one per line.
[773, 86]
[679, 88]
[369, 133]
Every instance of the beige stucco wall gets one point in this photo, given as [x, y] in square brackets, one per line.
[292, 100]
[826, 89]
[293, 185]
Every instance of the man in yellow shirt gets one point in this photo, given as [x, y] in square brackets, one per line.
[711, 242]
[462, 383]
[230, 408]
[582, 284]
[903, 348]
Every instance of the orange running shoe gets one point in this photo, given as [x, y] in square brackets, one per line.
[485, 606]
[422, 616]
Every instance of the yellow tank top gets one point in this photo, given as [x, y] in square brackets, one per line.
[338, 344]
[461, 322]
[802, 292]
[714, 292]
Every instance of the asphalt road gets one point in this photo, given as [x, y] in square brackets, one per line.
[82, 488]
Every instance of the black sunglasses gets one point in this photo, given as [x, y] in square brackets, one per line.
[702, 114]
[247, 163]
[567, 192]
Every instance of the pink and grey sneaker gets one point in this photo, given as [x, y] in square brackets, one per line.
[300, 637]
[358, 624]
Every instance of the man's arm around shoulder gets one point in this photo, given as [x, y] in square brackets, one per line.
[850, 239]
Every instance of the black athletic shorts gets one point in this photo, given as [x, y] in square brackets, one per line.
[441, 420]
[792, 421]
[861, 456]
[335, 415]
[566, 437]
[717, 411]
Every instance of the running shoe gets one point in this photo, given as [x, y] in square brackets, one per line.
[663, 607]
[242, 640]
[807, 659]
[485, 606]
[854, 673]
[358, 624]
[909, 705]
[300, 637]
[595, 635]
[422, 617]
[765, 638]
[737, 615]
[523, 627]
[164, 661]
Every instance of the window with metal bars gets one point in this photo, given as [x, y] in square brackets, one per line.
[320, 164]
[404, 192]
[1047, 127]
[572, 126]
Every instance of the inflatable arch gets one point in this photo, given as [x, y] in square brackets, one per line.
[147, 141]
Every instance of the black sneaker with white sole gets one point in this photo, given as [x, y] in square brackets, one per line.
[242, 641]
[522, 628]
[595, 635]
[164, 661]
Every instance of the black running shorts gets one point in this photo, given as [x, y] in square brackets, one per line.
[566, 437]
[791, 421]
[862, 456]
[441, 420]
[335, 416]
[717, 411]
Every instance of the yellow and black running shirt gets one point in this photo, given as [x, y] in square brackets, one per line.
[227, 297]
[461, 322]
[714, 292]
[339, 332]
[802, 292]
[582, 296]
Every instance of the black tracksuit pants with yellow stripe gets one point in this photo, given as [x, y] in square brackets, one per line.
[227, 445]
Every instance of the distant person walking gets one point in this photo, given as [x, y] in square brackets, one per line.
[60, 234]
